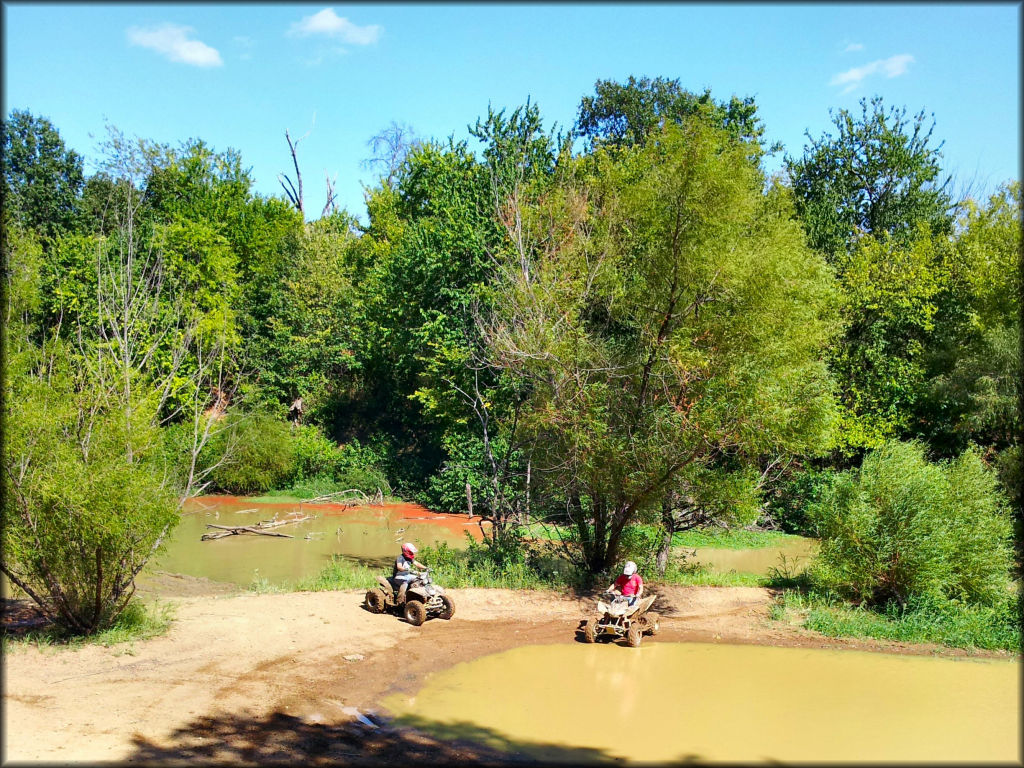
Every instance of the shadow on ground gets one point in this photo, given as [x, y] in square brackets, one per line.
[282, 739]
[18, 617]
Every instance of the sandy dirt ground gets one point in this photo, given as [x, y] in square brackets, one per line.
[282, 678]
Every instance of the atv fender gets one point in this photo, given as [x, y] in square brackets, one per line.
[386, 586]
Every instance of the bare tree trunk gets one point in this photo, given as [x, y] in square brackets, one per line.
[668, 523]
[469, 500]
[295, 195]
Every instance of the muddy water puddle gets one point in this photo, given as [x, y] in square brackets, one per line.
[735, 703]
[371, 535]
[793, 556]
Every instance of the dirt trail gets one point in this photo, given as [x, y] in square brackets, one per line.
[261, 678]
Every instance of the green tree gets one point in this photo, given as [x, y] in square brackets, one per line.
[880, 174]
[973, 359]
[889, 300]
[307, 347]
[666, 314]
[42, 178]
[625, 114]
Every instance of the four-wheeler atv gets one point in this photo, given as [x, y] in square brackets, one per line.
[618, 619]
[423, 599]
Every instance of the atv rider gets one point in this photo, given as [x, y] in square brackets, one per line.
[403, 571]
[629, 586]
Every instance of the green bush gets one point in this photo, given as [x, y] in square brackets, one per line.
[467, 462]
[1010, 469]
[255, 453]
[86, 499]
[902, 528]
[508, 565]
[321, 467]
[788, 502]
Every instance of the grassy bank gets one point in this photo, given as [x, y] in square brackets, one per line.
[952, 624]
[139, 621]
[732, 538]
[717, 538]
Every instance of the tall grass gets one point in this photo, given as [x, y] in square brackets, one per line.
[340, 574]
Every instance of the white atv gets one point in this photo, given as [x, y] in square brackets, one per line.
[619, 619]
[423, 599]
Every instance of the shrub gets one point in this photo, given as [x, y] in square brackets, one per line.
[788, 503]
[86, 500]
[259, 454]
[902, 528]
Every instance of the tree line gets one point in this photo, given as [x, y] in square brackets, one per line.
[626, 322]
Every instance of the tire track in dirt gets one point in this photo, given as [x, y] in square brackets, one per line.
[281, 658]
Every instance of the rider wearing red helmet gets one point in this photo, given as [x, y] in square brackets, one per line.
[403, 571]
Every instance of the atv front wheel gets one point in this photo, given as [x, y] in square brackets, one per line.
[375, 601]
[589, 631]
[449, 607]
[634, 636]
[415, 612]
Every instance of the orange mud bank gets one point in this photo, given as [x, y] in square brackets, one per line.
[281, 678]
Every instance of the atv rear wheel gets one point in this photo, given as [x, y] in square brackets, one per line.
[375, 601]
[415, 612]
[449, 607]
[589, 631]
[634, 635]
[652, 624]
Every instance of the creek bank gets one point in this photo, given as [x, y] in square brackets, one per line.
[240, 667]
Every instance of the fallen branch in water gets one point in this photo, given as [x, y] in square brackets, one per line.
[260, 528]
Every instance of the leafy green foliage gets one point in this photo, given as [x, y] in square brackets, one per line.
[789, 499]
[731, 538]
[511, 565]
[625, 114]
[86, 502]
[902, 528]
[42, 178]
[259, 458]
[889, 297]
[973, 359]
[666, 314]
[879, 175]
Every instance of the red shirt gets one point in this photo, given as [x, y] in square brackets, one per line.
[629, 585]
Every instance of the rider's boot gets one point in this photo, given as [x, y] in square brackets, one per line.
[400, 600]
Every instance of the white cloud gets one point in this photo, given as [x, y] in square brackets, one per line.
[327, 22]
[853, 47]
[894, 66]
[172, 41]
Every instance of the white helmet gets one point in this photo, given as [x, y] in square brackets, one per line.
[629, 568]
[409, 550]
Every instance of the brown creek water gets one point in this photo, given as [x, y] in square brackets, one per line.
[370, 534]
[734, 703]
[793, 555]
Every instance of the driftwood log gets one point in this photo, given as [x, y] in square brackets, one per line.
[260, 528]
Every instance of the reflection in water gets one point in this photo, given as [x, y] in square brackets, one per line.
[368, 535]
[669, 701]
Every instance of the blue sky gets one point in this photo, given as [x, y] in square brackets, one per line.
[238, 75]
